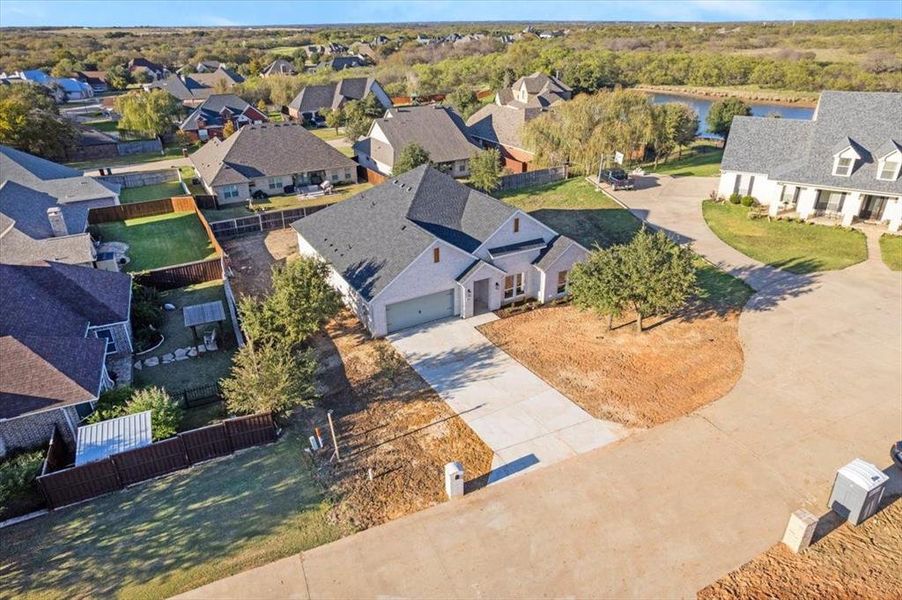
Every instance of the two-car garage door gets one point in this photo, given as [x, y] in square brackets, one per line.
[416, 311]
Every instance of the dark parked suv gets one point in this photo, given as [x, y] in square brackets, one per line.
[618, 179]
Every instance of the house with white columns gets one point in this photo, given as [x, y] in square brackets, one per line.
[843, 164]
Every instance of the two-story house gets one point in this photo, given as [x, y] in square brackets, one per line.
[843, 164]
[422, 247]
[208, 119]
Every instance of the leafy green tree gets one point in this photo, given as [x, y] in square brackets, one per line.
[300, 302]
[485, 170]
[228, 129]
[721, 113]
[269, 378]
[464, 101]
[334, 118]
[411, 156]
[356, 122]
[650, 275]
[30, 121]
[65, 68]
[681, 122]
[261, 105]
[146, 316]
[165, 416]
[117, 77]
[151, 113]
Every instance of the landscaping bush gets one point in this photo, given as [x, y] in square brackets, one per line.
[18, 491]
[147, 316]
[735, 198]
[165, 414]
[111, 404]
[748, 201]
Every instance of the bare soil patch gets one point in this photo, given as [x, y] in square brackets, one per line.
[389, 420]
[851, 562]
[639, 380]
[251, 258]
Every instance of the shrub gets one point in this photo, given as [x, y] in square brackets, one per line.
[17, 475]
[111, 404]
[735, 198]
[748, 201]
[165, 415]
[147, 316]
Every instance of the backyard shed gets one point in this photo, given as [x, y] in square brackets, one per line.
[100, 440]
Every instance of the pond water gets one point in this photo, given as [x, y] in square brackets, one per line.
[759, 109]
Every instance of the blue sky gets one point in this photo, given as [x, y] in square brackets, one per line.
[237, 12]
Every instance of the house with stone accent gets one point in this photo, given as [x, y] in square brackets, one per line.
[275, 158]
[209, 119]
[422, 247]
[844, 164]
[65, 337]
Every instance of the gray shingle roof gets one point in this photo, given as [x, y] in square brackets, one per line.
[280, 66]
[45, 311]
[517, 247]
[266, 150]
[499, 124]
[437, 129]
[63, 183]
[211, 110]
[803, 151]
[370, 238]
[314, 98]
[553, 251]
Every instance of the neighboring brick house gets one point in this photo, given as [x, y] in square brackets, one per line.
[274, 158]
[44, 210]
[65, 337]
[96, 79]
[437, 129]
[313, 99]
[208, 119]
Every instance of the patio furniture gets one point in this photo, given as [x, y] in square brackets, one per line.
[201, 314]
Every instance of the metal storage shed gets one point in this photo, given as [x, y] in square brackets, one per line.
[99, 440]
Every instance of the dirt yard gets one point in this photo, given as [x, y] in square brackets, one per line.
[851, 562]
[390, 421]
[639, 380]
[251, 258]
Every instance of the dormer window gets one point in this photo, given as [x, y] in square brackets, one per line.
[843, 166]
[889, 165]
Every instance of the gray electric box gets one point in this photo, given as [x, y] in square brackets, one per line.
[857, 491]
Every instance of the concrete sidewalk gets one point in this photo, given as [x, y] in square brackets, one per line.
[526, 422]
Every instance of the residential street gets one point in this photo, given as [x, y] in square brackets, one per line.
[666, 511]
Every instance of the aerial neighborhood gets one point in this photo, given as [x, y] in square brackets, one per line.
[555, 308]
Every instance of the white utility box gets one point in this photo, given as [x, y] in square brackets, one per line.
[799, 530]
[454, 480]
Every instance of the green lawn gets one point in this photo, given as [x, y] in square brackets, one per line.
[284, 202]
[151, 192]
[188, 175]
[701, 159]
[105, 126]
[201, 370]
[575, 209]
[170, 535]
[161, 240]
[891, 250]
[327, 133]
[791, 245]
[131, 159]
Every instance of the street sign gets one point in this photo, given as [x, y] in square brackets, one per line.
[618, 158]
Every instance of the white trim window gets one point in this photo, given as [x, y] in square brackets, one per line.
[514, 286]
[889, 169]
[562, 282]
[274, 183]
[843, 166]
[229, 191]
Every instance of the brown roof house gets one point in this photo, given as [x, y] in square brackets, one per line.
[65, 337]
[500, 124]
[44, 210]
[437, 129]
[275, 158]
[193, 89]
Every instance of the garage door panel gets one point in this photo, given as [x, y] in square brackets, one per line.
[416, 311]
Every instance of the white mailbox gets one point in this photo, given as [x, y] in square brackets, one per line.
[454, 480]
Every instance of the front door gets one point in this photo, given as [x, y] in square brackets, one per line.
[872, 208]
[480, 296]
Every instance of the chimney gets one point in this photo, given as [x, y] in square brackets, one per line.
[57, 222]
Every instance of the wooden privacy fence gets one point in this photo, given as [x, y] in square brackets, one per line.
[126, 468]
[370, 176]
[121, 212]
[264, 221]
[531, 178]
[169, 278]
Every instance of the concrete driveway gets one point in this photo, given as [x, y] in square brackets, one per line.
[526, 422]
[665, 511]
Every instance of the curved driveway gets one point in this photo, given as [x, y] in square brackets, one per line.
[666, 511]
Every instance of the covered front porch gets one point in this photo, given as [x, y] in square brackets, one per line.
[845, 207]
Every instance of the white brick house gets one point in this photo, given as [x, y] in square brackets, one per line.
[422, 247]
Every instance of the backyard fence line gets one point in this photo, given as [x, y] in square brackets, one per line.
[370, 176]
[176, 276]
[233, 311]
[142, 178]
[117, 471]
[531, 178]
[122, 212]
[265, 221]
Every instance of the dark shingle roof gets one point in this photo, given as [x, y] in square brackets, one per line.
[499, 124]
[437, 129]
[280, 66]
[519, 246]
[553, 251]
[370, 238]
[266, 150]
[212, 108]
[314, 98]
[803, 151]
[63, 183]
